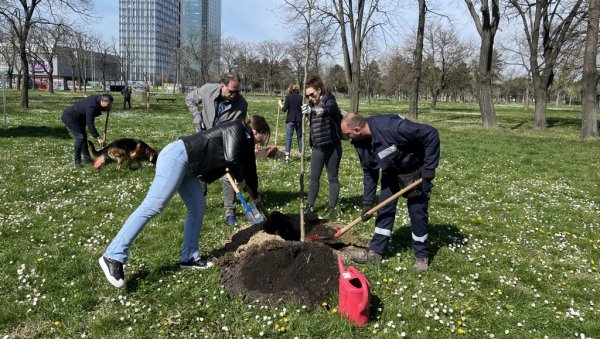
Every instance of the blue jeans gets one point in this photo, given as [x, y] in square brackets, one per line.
[289, 132]
[172, 175]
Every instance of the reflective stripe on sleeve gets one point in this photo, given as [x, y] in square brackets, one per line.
[386, 152]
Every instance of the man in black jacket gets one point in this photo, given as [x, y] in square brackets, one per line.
[83, 114]
[403, 151]
[206, 156]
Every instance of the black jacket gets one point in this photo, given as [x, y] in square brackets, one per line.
[293, 106]
[83, 113]
[325, 121]
[228, 145]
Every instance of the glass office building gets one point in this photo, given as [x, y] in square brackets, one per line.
[201, 19]
[149, 38]
[201, 39]
[151, 31]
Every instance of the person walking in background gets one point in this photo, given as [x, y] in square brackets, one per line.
[220, 103]
[403, 151]
[293, 121]
[126, 92]
[83, 114]
[324, 117]
[182, 165]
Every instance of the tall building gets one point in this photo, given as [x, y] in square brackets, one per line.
[151, 32]
[149, 38]
[200, 39]
[201, 20]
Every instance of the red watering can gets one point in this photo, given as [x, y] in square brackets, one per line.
[354, 298]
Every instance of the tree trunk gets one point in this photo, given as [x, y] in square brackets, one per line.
[25, 85]
[589, 110]
[434, 99]
[541, 104]
[50, 83]
[418, 60]
[484, 82]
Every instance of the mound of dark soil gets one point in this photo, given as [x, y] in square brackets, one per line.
[268, 264]
[278, 271]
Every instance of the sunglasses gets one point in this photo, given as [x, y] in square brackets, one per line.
[232, 91]
[310, 95]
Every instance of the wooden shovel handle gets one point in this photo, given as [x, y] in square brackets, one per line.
[232, 182]
[379, 206]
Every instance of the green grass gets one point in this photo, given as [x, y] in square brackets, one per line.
[514, 229]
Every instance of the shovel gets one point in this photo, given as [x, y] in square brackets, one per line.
[252, 213]
[371, 211]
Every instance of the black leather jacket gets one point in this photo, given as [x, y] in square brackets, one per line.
[229, 145]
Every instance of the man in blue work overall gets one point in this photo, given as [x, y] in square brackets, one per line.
[403, 151]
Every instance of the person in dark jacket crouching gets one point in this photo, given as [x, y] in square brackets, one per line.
[403, 151]
[83, 114]
[206, 155]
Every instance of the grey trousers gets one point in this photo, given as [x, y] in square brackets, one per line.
[228, 196]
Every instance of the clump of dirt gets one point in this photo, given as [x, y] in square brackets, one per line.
[267, 264]
[270, 152]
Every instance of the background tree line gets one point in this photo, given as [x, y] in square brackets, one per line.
[547, 53]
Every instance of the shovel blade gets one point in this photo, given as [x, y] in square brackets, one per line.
[254, 216]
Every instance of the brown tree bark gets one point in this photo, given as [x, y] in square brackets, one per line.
[418, 62]
[486, 26]
[589, 111]
[546, 30]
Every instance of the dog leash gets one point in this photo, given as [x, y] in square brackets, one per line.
[106, 125]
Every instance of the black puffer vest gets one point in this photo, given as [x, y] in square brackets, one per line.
[325, 120]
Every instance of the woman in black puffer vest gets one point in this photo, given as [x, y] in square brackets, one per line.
[325, 140]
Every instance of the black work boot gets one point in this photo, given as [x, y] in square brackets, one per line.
[363, 256]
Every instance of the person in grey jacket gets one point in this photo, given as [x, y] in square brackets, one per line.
[221, 103]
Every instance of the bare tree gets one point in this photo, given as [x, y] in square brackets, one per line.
[22, 15]
[201, 51]
[230, 48]
[487, 26]
[46, 40]
[356, 22]
[589, 113]
[301, 12]
[547, 25]
[395, 81]
[271, 54]
[103, 63]
[370, 68]
[418, 62]
[443, 51]
[517, 50]
[295, 55]
[9, 52]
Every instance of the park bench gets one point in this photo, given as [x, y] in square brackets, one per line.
[164, 99]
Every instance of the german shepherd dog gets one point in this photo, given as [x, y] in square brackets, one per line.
[123, 152]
